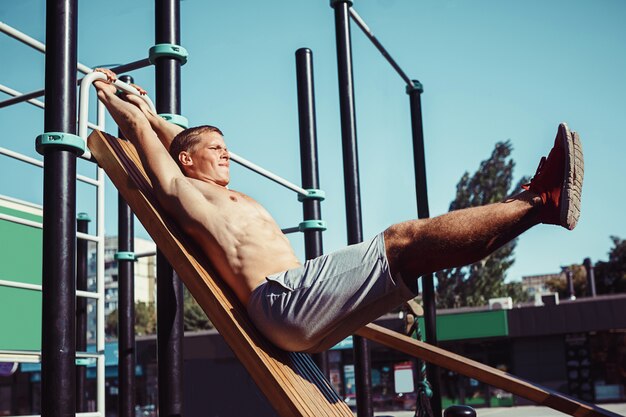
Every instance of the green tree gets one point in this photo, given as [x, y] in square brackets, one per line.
[611, 275]
[145, 320]
[474, 285]
[194, 317]
[560, 284]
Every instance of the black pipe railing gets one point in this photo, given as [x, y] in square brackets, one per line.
[58, 342]
[82, 221]
[126, 302]
[351, 185]
[309, 165]
[131, 66]
[170, 300]
[428, 287]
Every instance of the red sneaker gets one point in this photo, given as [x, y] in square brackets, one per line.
[559, 180]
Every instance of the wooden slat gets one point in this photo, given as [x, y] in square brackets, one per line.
[291, 382]
[481, 372]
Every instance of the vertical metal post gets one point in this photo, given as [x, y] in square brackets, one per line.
[169, 287]
[569, 277]
[428, 286]
[81, 308]
[309, 162]
[58, 344]
[351, 185]
[591, 278]
[126, 303]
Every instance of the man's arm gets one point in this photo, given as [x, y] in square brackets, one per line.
[165, 130]
[135, 126]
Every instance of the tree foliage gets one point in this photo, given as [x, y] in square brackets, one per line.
[145, 320]
[610, 275]
[194, 317]
[474, 285]
[579, 278]
[145, 317]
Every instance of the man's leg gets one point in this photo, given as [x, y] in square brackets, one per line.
[458, 238]
[465, 236]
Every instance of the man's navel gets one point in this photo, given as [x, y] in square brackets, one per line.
[233, 198]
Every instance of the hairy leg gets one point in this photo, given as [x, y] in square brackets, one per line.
[458, 238]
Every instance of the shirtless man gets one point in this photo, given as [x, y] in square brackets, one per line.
[313, 306]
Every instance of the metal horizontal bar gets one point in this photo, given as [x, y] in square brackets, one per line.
[19, 220]
[21, 356]
[131, 66]
[20, 285]
[38, 287]
[34, 102]
[34, 43]
[267, 174]
[360, 23]
[39, 93]
[288, 230]
[88, 237]
[39, 225]
[145, 254]
[16, 93]
[22, 98]
[39, 163]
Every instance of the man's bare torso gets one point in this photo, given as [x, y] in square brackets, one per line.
[240, 238]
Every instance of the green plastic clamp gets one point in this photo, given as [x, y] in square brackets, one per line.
[83, 216]
[65, 140]
[312, 225]
[124, 256]
[167, 49]
[83, 361]
[177, 119]
[313, 194]
[417, 86]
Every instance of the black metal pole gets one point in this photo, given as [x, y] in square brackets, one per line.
[81, 308]
[362, 369]
[428, 286]
[591, 278]
[58, 344]
[309, 163]
[170, 324]
[126, 303]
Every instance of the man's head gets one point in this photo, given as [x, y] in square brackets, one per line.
[201, 153]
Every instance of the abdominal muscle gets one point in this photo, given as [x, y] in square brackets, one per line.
[243, 243]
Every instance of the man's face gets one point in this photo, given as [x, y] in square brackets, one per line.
[209, 160]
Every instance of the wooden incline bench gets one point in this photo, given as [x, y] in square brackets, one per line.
[291, 381]
[488, 375]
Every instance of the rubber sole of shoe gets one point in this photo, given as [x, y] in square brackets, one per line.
[573, 179]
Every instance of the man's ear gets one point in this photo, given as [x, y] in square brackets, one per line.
[185, 158]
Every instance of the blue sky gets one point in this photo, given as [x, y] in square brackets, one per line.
[492, 71]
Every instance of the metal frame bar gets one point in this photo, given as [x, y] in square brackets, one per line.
[267, 174]
[362, 361]
[126, 303]
[363, 26]
[170, 323]
[58, 342]
[36, 103]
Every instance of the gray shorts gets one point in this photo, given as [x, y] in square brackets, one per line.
[313, 307]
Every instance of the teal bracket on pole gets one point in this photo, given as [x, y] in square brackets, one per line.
[83, 216]
[125, 256]
[312, 225]
[168, 50]
[176, 119]
[59, 139]
[416, 86]
[313, 194]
